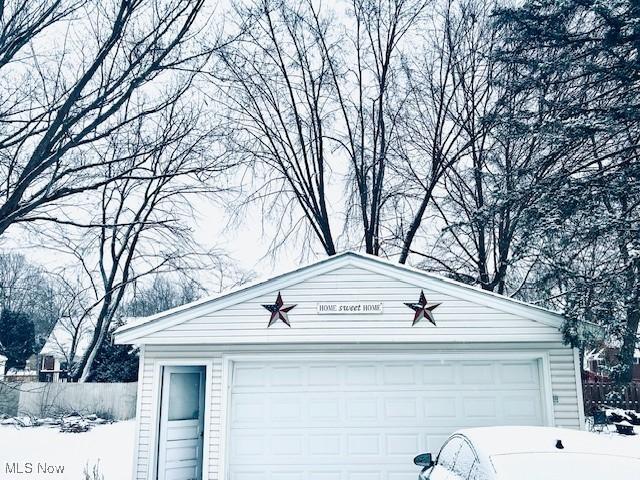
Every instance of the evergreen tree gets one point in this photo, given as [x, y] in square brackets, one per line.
[115, 363]
[17, 338]
[580, 60]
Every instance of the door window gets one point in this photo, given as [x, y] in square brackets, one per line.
[184, 396]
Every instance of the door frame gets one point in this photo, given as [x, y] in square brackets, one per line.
[167, 371]
[154, 436]
[541, 357]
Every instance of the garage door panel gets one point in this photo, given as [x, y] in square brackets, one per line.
[383, 409]
[286, 475]
[349, 420]
[397, 408]
[245, 375]
[517, 407]
[331, 475]
[325, 409]
[287, 376]
[518, 374]
[359, 375]
[363, 408]
[440, 408]
[479, 373]
[474, 406]
[364, 472]
[402, 444]
[321, 375]
[368, 475]
[402, 374]
[439, 375]
[325, 444]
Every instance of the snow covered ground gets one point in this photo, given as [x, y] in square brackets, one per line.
[110, 445]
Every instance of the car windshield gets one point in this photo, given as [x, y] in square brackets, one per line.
[564, 466]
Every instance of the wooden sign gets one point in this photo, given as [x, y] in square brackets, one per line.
[342, 308]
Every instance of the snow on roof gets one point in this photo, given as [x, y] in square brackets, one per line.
[59, 343]
[15, 372]
[508, 440]
[60, 339]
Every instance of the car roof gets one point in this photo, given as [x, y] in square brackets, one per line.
[489, 441]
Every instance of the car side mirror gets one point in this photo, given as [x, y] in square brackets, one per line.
[423, 460]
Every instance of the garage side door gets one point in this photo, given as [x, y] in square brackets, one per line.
[366, 420]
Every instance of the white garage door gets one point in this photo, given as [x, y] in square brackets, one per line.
[366, 420]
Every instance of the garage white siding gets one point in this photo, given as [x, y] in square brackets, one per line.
[561, 365]
[460, 317]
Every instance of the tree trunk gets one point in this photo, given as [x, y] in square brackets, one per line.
[629, 342]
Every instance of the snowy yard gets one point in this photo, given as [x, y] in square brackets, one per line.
[110, 445]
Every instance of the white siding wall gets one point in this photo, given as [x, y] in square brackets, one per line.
[459, 318]
[561, 360]
[144, 416]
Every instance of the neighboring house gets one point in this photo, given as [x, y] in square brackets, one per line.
[27, 374]
[597, 363]
[359, 383]
[60, 351]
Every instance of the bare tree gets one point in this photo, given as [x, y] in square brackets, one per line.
[450, 94]
[275, 88]
[372, 101]
[74, 324]
[133, 227]
[472, 202]
[26, 287]
[76, 73]
[487, 201]
[162, 294]
[309, 101]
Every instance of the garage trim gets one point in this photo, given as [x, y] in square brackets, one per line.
[228, 361]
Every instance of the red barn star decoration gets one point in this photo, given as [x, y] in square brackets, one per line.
[279, 311]
[422, 309]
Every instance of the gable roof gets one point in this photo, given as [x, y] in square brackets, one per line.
[139, 328]
[60, 340]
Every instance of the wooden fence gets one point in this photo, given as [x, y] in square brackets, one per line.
[108, 400]
[596, 394]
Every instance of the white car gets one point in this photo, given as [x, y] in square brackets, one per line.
[532, 453]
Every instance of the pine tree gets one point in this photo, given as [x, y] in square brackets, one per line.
[17, 338]
[580, 62]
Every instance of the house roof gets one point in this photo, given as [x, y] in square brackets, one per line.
[142, 326]
[59, 342]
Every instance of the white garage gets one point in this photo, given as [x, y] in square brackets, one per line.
[341, 370]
